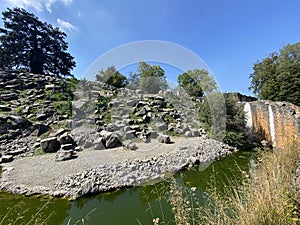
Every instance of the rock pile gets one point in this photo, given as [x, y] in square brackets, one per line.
[30, 106]
[130, 115]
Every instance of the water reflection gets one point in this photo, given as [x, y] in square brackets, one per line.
[17, 209]
[130, 206]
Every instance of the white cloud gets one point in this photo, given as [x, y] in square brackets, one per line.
[38, 5]
[66, 26]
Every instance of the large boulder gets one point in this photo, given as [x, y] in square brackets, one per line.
[129, 135]
[50, 144]
[65, 138]
[19, 122]
[110, 139]
[98, 144]
[6, 158]
[40, 129]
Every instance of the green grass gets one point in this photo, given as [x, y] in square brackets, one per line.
[39, 152]
[265, 198]
[63, 107]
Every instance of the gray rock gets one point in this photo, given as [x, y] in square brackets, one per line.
[65, 139]
[19, 122]
[112, 141]
[153, 134]
[17, 151]
[49, 86]
[63, 155]
[129, 134]
[60, 132]
[105, 134]
[7, 158]
[129, 145]
[126, 128]
[8, 96]
[67, 146]
[188, 133]
[5, 108]
[41, 129]
[87, 144]
[161, 126]
[162, 138]
[131, 102]
[185, 128]
[50, 144]
[78, 148]
[195, 133]
[135, 127]
[42, 116]
[98, 144]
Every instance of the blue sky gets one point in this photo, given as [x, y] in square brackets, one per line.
[229, 35]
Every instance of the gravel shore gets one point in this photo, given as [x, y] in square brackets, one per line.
[94, 171]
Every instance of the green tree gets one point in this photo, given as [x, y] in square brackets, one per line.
[236, 131]
[30, 44]
[196, 82]
[151, 79]
[277, 77]
[112, 77]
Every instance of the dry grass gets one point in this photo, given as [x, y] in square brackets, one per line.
[266, 197]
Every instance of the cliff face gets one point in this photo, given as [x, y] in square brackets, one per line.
[275, 122]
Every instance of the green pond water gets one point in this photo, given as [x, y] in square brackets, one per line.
[131, 206]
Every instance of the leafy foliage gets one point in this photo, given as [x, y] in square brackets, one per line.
[30, 44]
[277, 77]
[149, 78]
[236, 132]
[196, 82]
[112, 77]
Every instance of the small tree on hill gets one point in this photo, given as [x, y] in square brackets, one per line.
[28, 43]
[112, 77]
[196, 82]
[151, 78]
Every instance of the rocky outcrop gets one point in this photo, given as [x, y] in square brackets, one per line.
[275, 122]
[31, 106]
[131, 115]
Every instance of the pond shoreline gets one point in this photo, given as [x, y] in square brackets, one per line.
[102, 171]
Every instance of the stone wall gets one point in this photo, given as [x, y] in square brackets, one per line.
[275, 122]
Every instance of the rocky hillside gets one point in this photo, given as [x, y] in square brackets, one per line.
[32, 106]
[43, 113]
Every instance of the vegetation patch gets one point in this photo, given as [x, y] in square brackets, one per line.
[39, 151]
[236, 132]
[266, 196]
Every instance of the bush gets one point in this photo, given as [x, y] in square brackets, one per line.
[236, 131]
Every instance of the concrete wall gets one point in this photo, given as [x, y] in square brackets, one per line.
[275, 122]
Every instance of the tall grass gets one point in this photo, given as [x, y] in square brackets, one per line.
[266, 197]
